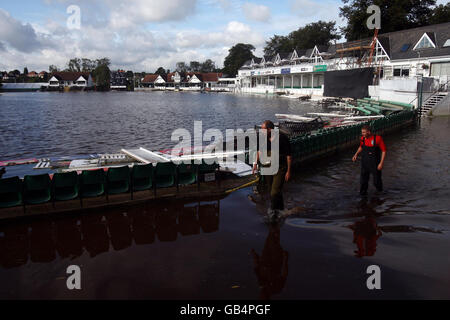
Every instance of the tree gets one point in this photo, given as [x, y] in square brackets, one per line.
[440, 14]
[237, 56]
[161, 71]
[181, 67]
[395, 15]
[103, 62]
[102, 77]
[87, 65]
[208, 66]
[25, 71]
[74, 65]
[195, 66]
[278, 44]
[316, 33]
[52, 69]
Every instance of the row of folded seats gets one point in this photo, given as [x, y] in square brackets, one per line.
[39, 189]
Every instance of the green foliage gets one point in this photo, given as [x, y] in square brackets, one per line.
[395, 15]
[208, 66]
[52, 68]
[441, 14]
[195, 66]
[316, 33]
[102, 75]
[161, 71]
[238, 55]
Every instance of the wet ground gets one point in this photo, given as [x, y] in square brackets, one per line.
[226, 249]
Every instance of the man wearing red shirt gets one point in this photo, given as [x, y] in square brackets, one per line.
[373, 152]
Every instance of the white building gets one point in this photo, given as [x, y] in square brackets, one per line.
[71, 79]
[395, 56]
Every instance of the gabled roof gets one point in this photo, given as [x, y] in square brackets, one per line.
[437, 33]
[322, 48]
[257, 60]
[285, 55]
[385, 43]
[211, 77]
[190, 75]
[70, 76]
[150, 78]
[170, 75]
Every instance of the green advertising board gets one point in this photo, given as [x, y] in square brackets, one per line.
[320, 68]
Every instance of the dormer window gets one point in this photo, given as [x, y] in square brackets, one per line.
[424, 43]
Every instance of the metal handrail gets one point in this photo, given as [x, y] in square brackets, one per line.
[438, 90]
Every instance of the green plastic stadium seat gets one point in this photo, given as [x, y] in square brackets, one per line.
[187, 174]
[92, 183]
[37, 189]
[142, 177]
[165, 175]
[10, 192]
[118, 180]
[65, 186]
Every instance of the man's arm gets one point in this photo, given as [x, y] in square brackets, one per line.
[383, 153]
[355, 157]
[289, 166]
[383, 157]
[255, 165]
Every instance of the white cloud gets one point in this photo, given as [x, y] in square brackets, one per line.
[127, 13]
[256, 12]
[17, 35]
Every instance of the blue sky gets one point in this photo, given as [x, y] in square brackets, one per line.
[144, 34]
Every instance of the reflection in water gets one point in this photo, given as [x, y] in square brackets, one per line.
[366, 231]
[41, 241]
[271, 267]
[365, 236]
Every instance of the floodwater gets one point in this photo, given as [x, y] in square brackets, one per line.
[225, 248]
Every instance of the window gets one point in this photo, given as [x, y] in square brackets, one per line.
[405, 47]
[447, 43]
[440, 69]
[401, 71]
[424, 43]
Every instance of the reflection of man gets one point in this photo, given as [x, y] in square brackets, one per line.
[365, 236]
[373, 155]
[2, 172]
[276, 182]
[271, 267]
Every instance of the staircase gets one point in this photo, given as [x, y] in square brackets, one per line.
[434, 100]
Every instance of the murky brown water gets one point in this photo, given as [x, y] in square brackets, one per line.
[224, 249]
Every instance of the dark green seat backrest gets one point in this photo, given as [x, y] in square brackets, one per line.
[208, 168]
[166, 169]
[93, 177]
[11, 185]
[187, 168]
[142, 171]
[63, 180]
[119, 174]
[37, 183]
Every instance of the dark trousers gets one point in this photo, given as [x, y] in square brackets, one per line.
[275, 184]
[365, 174]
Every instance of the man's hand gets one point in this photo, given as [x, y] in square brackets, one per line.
[288, 176]
[255, 168]
[380, 167]
[355, 157]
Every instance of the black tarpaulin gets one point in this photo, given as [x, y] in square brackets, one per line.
[348, 83]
